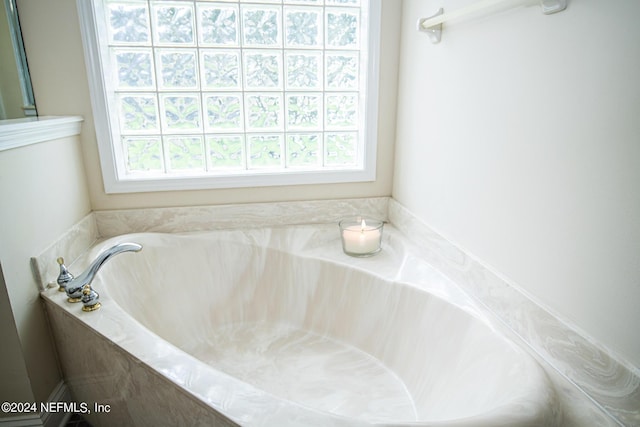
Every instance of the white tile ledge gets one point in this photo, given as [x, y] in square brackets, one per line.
[16, 133]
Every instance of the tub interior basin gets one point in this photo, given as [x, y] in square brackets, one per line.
[324, 334]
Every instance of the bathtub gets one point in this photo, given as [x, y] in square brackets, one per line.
[277, 327]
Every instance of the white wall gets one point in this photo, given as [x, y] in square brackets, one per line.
[54, 49]
[518, 138]
[43, 193]
[14, 378]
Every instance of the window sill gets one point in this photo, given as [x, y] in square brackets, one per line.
[255, 179]
[33, 130]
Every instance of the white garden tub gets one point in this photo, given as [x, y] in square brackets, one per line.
[278, 327]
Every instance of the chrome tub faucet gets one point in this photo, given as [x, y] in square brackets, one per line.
[79, 288]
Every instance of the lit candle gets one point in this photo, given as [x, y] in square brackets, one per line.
[361, 239]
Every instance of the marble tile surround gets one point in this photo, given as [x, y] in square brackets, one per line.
[70, 246]
[104, 373]
[612, 385]
[594, 383]
[103, 224]
[256, 215]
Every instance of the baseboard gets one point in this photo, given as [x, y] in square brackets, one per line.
[43, 419]
[31, 420]
[57, 419]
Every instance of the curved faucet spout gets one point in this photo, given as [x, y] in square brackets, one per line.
[74, 285]
[88, 275]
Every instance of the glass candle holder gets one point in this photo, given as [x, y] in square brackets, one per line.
[361, 237]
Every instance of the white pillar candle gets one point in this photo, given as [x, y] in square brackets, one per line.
[361, 239]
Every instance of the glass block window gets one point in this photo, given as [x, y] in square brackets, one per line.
[235, 87]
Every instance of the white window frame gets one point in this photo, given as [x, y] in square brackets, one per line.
[115, 182]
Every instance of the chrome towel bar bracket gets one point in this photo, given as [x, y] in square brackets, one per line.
[432, 25]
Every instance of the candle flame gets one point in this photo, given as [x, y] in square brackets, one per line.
[362, 226]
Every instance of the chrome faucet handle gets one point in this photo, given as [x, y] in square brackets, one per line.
[90, 299]
[64, 277]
